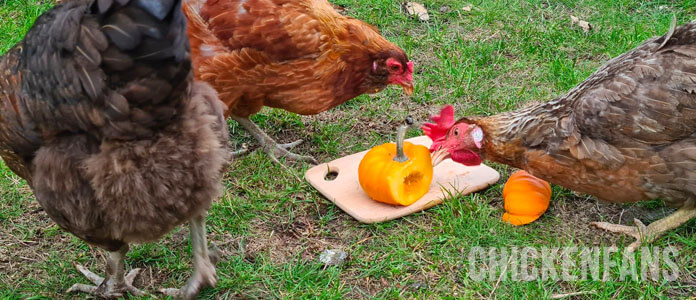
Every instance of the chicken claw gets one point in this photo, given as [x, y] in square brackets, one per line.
[647, 234]
[638, 232]
[108, 290]
[116, 285]
[204, 260]
[281, 150]
[270, 146]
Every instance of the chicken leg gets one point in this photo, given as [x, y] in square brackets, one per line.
[204, 274]
[270, 146]
[115, 284]
[647, 234]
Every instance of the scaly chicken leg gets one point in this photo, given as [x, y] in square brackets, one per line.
[116, 284]
[647, 234]
[204, 260]
[270, 146]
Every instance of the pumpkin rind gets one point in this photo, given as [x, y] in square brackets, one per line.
[392, 182]
[526, 198]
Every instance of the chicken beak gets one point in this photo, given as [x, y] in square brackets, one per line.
[439, 156]
[408, 88]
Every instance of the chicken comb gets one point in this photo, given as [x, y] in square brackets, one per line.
[438, 131]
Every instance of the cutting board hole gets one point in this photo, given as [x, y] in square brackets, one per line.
[331, 174]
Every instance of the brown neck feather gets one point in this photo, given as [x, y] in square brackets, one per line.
[508, 136]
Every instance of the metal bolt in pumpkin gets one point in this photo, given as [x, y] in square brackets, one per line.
[526, 198]
[398, 173]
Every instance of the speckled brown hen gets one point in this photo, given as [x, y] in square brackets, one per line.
[625, 134]
[297, 55]
[100, 114]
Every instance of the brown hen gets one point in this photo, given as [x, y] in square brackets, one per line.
[625, 134]
[100, 115]
[297, 55]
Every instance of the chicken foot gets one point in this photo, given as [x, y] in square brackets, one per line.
[115, 284]
[204, 259]
[647, 234]
[270, 146]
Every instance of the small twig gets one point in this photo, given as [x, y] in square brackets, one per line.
[618, 292]
[28, 258]
[365, 239]
[423, 258]
[230, 240]
[101, 255]
[40, 209]
[237, 153]
[501, 275]
[417, 225]
[490, 36]
[275, 159]
[309, 225]
[561, 296]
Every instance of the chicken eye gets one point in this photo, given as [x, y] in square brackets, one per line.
[395, 68]
[455, 132]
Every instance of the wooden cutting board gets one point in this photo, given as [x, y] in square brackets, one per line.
[345, 191]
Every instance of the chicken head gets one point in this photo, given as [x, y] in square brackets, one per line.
[390, 67]
[460, 141]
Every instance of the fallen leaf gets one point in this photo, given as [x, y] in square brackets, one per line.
[417, 9]
[580, 23]
[467, 7]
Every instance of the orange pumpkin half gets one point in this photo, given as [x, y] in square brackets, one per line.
[401, 183]
[526, 198]
[398, 173]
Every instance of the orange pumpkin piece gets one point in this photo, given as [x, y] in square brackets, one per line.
[526, 198]
[397, 174]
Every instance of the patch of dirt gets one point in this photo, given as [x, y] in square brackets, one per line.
[17, 252]
[575, 213]
[302, 238]
[364, 287]
[31, 239]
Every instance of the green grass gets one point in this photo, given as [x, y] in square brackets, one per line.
[495, 58]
